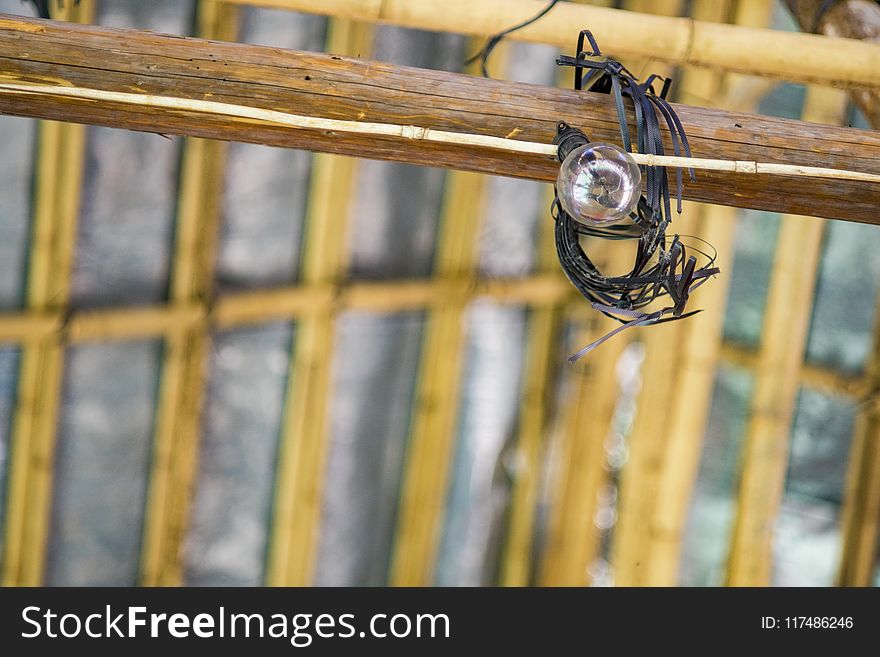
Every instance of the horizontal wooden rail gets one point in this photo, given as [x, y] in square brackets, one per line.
[45, 52]
[677, 40]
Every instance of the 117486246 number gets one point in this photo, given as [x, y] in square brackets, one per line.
[807, 622]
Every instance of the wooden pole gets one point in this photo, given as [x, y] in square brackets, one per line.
[783, 55]
[331, 87]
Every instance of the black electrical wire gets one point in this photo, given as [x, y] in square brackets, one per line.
[663, 267]
[484, 53]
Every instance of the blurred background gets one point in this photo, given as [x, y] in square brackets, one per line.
[425, 429]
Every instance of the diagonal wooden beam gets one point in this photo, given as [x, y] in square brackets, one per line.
[333, 87]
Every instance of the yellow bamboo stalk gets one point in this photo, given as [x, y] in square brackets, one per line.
[572, 542]
[812, 375]
[256, 307]
[701, 340]
[134, 323]
[422, 502]
[304, 442]
[647, 440]
[861, 505]
[24, 328]
[175, 442]
[771, 53]
[772, 406]
[56, 209]
[573, 539]
[533, 417]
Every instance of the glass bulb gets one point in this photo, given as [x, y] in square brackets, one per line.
[599, 184]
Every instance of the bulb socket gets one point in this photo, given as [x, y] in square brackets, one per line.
[567, 139]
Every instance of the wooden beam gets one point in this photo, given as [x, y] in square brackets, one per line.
[783, 340]
[676, 40]
[304, 437]
[333, 87]
[59, 171]
[178, 427]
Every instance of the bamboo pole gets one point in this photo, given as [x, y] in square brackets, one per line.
[176, 437]
[304, 440]
[572, 542]
[701, 338]
[784, 335]
[861, 505]
[255, 307]
[264, 79]
[422, 505]
[31, 466]
[773, 53]
[534, 416]
[638, 482]
[575, 540]
[812, 375]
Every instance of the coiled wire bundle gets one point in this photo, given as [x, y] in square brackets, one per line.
[662, 267]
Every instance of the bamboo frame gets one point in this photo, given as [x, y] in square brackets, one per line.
[46, 329]
[784, 334]
[304, 441]
[783, 55]
[60, 163]
[431, 445]
[178, 426]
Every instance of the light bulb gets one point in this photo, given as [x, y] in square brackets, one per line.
[598, 184]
